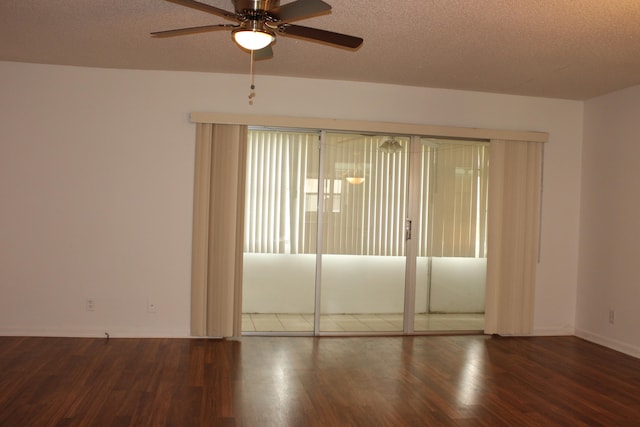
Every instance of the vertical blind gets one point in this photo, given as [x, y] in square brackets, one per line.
[454, 196]
[278, 166]
[369, 219]
[216, 269]
[514, 202]
[365, 218]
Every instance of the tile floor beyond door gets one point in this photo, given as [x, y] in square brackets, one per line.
[376, 322]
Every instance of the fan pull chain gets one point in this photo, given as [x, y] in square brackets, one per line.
[252, 93]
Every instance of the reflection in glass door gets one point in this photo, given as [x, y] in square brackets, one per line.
[363, 226]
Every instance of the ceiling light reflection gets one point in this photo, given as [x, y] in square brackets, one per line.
[471, 376]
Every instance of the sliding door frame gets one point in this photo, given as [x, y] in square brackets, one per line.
[319, 233]
[411, 247]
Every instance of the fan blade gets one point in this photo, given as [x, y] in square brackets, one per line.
[206, 8]
[321, 35]
[264, 53]
[299, 9]
[191, 30]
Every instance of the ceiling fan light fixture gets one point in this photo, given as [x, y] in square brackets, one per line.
[355, 180]
[253, 38]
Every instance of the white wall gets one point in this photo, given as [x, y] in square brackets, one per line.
[96, 170]
[609, 274]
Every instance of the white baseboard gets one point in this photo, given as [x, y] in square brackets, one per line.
[560, 332]
[620, 346]
[85, 333]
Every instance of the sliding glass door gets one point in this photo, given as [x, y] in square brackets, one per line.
[279, 264]
[363, 234]
[350, 233]
[449, 238]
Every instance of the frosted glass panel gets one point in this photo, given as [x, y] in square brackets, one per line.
[457, 285]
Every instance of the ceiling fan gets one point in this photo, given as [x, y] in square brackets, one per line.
[258, 21]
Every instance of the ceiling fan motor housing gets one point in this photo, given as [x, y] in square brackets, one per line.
[247, 5]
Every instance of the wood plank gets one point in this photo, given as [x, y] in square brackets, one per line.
[304, 381]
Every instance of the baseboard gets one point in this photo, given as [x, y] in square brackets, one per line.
[85, 333]
[560, 332]
[620, 346]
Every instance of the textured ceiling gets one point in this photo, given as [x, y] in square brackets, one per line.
[573, 49]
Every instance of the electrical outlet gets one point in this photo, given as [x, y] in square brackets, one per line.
[151, 307]
[612, 316]
[90, 304]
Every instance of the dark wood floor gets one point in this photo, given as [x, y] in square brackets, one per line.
[270, 381]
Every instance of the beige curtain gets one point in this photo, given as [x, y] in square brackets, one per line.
[216, 272]
[514, 208]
